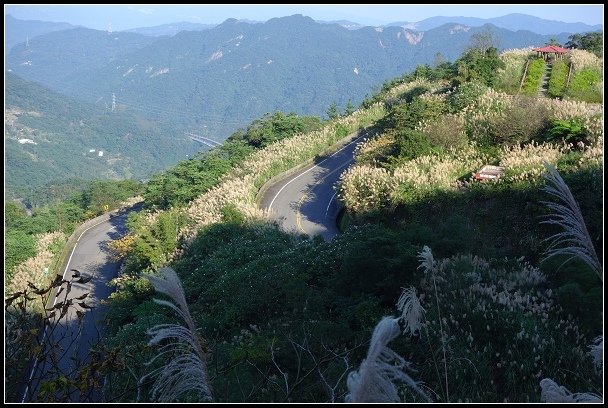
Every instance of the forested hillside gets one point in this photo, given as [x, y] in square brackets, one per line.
[50, 138]
[217, 80]
[444, 285]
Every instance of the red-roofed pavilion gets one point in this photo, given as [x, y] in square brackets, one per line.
[551, 51]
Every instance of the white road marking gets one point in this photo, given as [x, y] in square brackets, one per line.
[330, 200]
[27, 387]
[316, 165]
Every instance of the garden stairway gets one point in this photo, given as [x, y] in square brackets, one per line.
[544, 83]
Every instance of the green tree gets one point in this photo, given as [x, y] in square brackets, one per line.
[333, 112]
[553, 41]
[349, 109]
[438, 60]
[475, 65]
[592, 42]
[13, 212]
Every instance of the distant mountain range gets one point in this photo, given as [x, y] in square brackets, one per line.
[209, 81]
[17, 31]
[512, 22]
[221, 78]
[170, 29]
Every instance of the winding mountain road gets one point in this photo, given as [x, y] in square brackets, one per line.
[91, 258]
[305, 201]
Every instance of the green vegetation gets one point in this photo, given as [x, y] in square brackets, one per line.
[536, 71]
[62, 131]
[285, 318]
[571, 131]
[18, 246]
[477, 65]
[278, 126]
[585, 85]
[189, 179]
[592, 42]
[22, 230]
[557, 80]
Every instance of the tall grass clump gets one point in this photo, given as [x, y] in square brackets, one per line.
[374, 380]
[31, 271]
[582, 59]
[509, 77]
[574, 242]
[498, 329]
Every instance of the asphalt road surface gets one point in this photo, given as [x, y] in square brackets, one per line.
[91, 258]
[305, 202]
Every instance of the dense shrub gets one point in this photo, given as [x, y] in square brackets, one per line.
[446, 132]
[570, 131]
[476, 65]
[18, 246]
[411, 144]
[465, 95]
[523, 122]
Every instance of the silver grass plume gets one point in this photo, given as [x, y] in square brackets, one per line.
[552, 392]
[574, 241]
[185, 370]
[427, 261]
[596, 351]
[412, 312]
[373, 382]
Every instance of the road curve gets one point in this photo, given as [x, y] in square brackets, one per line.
[90, 256]
[305, 202]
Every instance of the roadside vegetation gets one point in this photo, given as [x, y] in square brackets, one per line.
[483, 314]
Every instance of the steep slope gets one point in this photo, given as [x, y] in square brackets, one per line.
[51, 137]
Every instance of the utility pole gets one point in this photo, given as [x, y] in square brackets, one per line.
[113, 102]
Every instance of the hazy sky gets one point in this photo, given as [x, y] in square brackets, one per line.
[122, 17]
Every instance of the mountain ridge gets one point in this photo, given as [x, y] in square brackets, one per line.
[222, 78]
